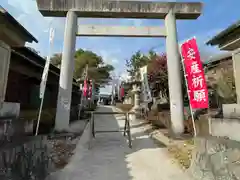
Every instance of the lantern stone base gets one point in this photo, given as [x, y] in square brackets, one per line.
[137, 111]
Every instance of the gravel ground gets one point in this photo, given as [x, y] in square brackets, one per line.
[62, 146]
[61, 150]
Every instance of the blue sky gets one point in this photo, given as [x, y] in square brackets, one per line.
[217, 15]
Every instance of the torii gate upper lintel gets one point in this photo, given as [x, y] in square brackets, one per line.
[120, 9]
[169, 11]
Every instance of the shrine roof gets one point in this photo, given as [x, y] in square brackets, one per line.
[224, 34]
[4, 15]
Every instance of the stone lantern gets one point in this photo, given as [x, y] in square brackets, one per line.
[136, 86]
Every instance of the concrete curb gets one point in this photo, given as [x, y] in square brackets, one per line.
[82, 145]
[157, 136]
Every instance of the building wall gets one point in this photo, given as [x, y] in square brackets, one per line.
[18, 89]
[25, 90]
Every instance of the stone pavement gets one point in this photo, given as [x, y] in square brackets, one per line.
[111, 159]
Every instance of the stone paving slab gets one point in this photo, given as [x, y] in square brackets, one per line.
[111, 159]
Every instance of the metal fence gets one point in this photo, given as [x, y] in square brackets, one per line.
[126, 131]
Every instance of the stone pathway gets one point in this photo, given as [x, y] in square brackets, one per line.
[111, 159]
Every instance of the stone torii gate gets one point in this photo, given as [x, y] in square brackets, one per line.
[72, 9]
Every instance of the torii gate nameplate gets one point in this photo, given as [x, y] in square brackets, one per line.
[121, 31]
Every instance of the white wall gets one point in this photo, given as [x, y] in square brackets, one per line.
[226, 128]
[5, 53]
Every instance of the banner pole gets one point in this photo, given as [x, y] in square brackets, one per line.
[186, 84]
[191, 111]
[39, 115]
[80, 105]
[45, 76]
[209, 116]
[82, 96]
[209, 123]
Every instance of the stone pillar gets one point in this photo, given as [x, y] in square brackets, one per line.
[136, 107]
[66, 75]
[174, 76]
[136, 97]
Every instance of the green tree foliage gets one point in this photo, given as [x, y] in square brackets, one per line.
[56, 59]
[97, 69]
[225, 86]
[157, 71]
[135, 62]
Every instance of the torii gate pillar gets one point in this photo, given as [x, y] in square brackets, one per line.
[174, 76]
[66, 75]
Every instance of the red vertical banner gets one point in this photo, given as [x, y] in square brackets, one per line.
[85, 88]
[122, 92]
[90, 90]
[197, 86]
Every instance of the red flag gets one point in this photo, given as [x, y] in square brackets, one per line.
[197, 86]
[85, 88]
[90, 91]
[122, 92]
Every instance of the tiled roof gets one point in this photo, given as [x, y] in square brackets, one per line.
[215, 40]
[17, 25]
